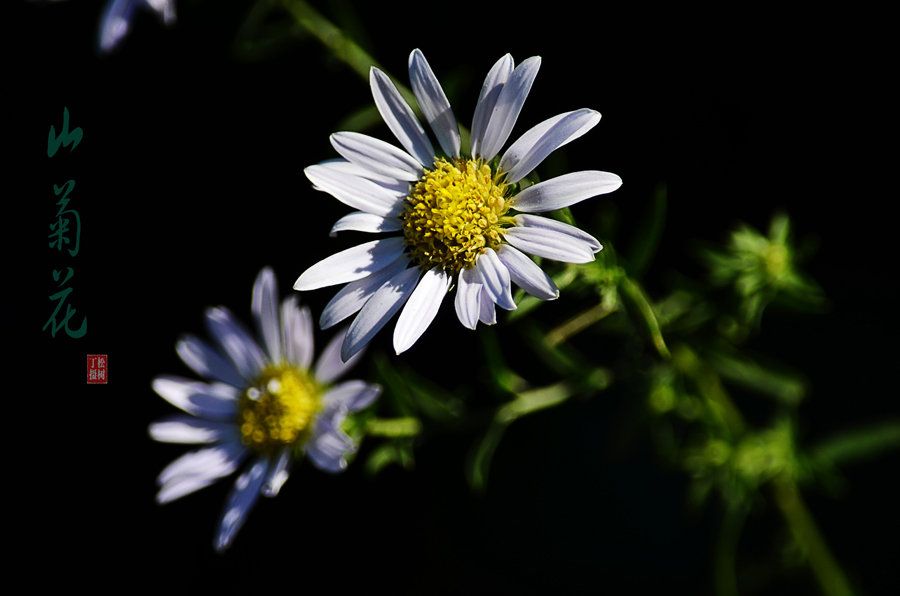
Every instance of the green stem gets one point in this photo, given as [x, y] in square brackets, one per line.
[726, 550]
[824, 566]
[577, 324]
[331, 36]
[407, 426]
[633, 291]
[710, 388]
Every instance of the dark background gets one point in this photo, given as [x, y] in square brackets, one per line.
[189, 180]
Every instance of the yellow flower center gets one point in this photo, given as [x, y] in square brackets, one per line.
[276, 410]
[453, 213]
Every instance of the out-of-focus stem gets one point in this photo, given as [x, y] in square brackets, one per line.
[330, 36]
[709, 385]
[577, 324]
[394, 427]
[726, 551]
[824, 566]
[340, 45]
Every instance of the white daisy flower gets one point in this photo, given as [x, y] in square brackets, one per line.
[116, 19]
[463, 220]
[262, 404]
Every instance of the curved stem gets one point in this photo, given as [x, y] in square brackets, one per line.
[824, 566]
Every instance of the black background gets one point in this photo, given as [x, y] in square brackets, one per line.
[189, 180]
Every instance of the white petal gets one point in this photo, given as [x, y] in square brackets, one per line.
[297, 327]
[351, 395]
[351, 264]
[549, 244]
[468, 297]
[204, 360]
[359, 221]
[190, 430]
[349, 299]
[532, 147]
[243, 495]
[433, 103]
[526, 274]
[264, 307]
[493, 84]
[237, 344]
[197, 469]
[355, 192]
[537, 221]
[330, 366]
[421, 308]
[278, 473]
[376, 155]
[213, 401]
[343, 167]
[400, 118]
[487, 314]
[379, 309]
[508, 106]
[565, 190]
[495, 277]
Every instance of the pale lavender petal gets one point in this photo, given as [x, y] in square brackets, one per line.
[379, 309]
[342, 167]
[537, 143]
[349, 299]
[549, 244]
[165, 9]
[204, 360]
[351, 264]
[279, 468]
[234, 340]
[493, 84]
[506, 109]
[433, 103]
[328, 447]
[264, 307]
[298, 338]
[197, 469]
[351, 395]
[354, 191]
[565, 190]
[487, 313]
[421, 308]
[190, 430]
[495, 277]
[359, 221]
[526, 274]
[376, 155]
[240, 501]
[115, 23]
[546, 223]
[468, 297]
[213, 401]
[331, 366]
[400, 118]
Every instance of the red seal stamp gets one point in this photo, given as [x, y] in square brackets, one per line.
[97, 369]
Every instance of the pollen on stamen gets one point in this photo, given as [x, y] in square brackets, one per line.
[277, 409]
[453, 213]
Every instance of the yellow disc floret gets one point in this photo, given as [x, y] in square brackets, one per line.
[453, 213]
[276, 410]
